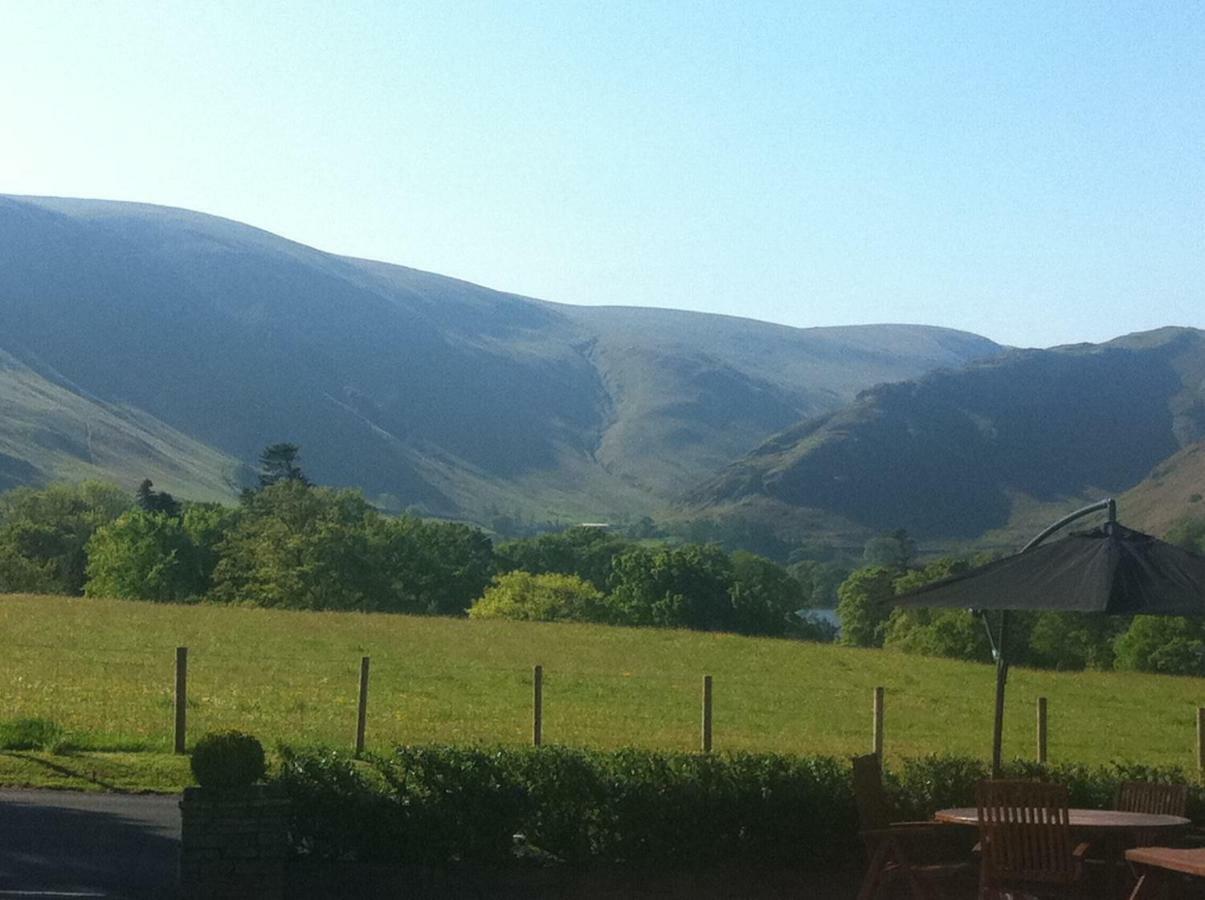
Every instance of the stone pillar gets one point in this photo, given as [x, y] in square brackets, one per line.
[233, 843]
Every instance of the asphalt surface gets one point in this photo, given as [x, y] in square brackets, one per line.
[68, 844]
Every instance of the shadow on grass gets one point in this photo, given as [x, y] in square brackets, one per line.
[81, 772]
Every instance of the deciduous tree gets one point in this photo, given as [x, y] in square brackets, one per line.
[144, 556]
[685, 587]
[44, 533]
[547, 597]
[295, 546]
[864, 604]
[431, 567]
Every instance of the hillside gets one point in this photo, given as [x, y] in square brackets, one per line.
[419, 389]
[103, 670]
[50, 432]
[1174, 489]
[988, 451]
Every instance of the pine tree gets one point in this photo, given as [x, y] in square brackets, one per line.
[278, 463]
[150, 500]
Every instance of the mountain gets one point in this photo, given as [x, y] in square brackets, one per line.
[197, 340]
[988, 452]
[49, 431]
[1175, 489]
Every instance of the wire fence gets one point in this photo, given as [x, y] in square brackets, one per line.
[121, 696]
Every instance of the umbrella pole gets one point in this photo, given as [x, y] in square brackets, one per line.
[1001, 681]
[1001, 656]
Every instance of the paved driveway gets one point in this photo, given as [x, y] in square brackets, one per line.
[67, 844]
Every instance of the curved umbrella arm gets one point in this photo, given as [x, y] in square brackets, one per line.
[1110, 504]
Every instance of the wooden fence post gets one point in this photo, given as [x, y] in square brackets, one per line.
[537, 706]
[1042, 730]
[362, 717]
[1201, 738]
[181, 697]
[878, 723]
[706, 736]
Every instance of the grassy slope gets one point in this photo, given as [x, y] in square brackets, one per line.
[690, 393]
[58, 434]
[1173, 490]
[104, 668]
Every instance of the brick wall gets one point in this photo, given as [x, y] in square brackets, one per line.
[234, 843]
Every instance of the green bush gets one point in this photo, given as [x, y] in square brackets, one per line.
[549, 597]
[1166, 644]
[588, 553]
[925, 784]
[228, 759]
[920, 786]
[339, 810]
[691, 809]
[44, 533]
[437, 805]
[143, 556]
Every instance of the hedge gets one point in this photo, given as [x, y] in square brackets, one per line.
[434, 806]
[922, 785]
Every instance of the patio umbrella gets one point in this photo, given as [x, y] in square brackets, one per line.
[1110, 569]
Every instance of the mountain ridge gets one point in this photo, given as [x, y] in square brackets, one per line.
[955, 454]
[422, 390]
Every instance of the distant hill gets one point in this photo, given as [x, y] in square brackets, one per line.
[176, 345]
[1174, 489]
[987, 451]
[49, 431]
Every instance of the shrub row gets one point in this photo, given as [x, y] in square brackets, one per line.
[439, 805]
[921, 785]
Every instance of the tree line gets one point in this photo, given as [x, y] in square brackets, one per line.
[291, 544]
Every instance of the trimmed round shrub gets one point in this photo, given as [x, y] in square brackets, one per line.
[228, 759]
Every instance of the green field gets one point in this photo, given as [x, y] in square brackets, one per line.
[104, 670]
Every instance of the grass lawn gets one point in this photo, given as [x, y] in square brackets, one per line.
[103, 670]
[160, 773]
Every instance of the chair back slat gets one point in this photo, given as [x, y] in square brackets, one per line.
[1158, 799]
[1025, 832]
[873, 812]
[1148, 797]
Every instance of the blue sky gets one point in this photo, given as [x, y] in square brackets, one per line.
[1032, 172]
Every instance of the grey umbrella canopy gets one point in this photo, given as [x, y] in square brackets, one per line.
[1110, 569]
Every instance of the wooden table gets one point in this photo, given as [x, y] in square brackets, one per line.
[1107, 829]
[1163, 867]
[1088, 823]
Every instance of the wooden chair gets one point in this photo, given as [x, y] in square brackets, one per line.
[1025, 840]
[923, 855]
[1147, 797]
[1157, 799]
